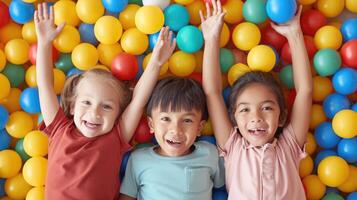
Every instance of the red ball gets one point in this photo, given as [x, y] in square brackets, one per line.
[349, 53]
[222, 2]
[239, 56]
[273, 38]
[4, 14]
[196, 76]
[310, 48]
[142, 132]
[33, 53]
[311, 21]
[125, 66]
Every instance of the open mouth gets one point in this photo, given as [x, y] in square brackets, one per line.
[91, 125]
[173, 143]
[257, 131]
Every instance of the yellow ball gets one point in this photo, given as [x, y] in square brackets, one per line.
[237, 71]
[65, 12]
[107, 52]
[317, 116]
[163, 68]
[5, 86]
[84, 56]
[322, 87]
[36, 193]
[246, 35]
[315, 189]
[233, 9]
[17, 51]
[184, 2]
[30, 76]
[344, 123]
[182, 64]
[351, 5]
[207, 128]
[29, 32]
[127, 16]
[67, 39]
[134, 41]
[225, 35]
[310, 144]
[306, 2]
[108, 30]
[199, 61]
[34, 171]
[89, 11]
[306, 166]
[19, 124]
[36, 143]
[328, 37]
[2, 60]
[12, 101]
[333, 171]
[29, 1]
[193, 10]
[10, 163]
[149, 19]
[261, 58]
[330, 8]
[350, 185]
[16, 187]
[9, 32]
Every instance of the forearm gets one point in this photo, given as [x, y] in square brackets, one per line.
[44, 71]
[212, 83]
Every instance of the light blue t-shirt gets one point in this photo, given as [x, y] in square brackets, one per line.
[150, 176]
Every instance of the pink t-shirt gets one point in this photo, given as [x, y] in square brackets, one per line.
[263, 173]
[81, 167]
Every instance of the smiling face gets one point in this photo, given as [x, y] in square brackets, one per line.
[96, 106]
[176, 131]
[257, 114]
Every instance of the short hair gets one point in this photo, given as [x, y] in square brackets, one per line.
[176, 94]
[69, 91]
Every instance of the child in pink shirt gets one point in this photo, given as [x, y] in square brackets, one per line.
[262, 152]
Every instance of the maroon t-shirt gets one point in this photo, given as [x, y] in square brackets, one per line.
[81, 167]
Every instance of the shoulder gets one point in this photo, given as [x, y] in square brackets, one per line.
[139, 154]
[206, 148]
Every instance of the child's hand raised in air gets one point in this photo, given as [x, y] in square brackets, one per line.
[44, 23]
[289, 28]
[211, 25]
[164, 47]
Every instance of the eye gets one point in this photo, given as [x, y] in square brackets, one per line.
[107, 107]
[188, 120]
[267, 108]
[85, 102]
[244, 110]
[165, 119]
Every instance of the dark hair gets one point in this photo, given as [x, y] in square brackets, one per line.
[176, 94]
[264, 78]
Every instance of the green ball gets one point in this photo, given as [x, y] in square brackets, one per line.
[226, 59]
[64, 62]
[332, 196]
[137, 2]
[286, 76]
[327, 61]
[143, 145]
[254, 11]
[15, 74]
[19, 148]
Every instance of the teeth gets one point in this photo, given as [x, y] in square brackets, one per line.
[173, 142]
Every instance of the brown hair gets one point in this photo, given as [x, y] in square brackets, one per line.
[175, 94]
[68, 94]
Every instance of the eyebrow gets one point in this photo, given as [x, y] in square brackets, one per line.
[266, 101]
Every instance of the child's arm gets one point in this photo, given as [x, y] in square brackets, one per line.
[161, 53]
[212, 84]
[46, 33]
[125, 197]
[301, 111]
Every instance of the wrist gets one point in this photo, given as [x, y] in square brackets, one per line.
[44, 44]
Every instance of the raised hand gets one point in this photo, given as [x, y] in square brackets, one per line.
[164, 47]
[211, 25]
[291, 27]
[44, 23]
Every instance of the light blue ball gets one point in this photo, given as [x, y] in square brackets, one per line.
[189, 39]
[347, 149]
[30, 101]
[344, 81]
[281, 11]
[176, 17]
[254, 11]
[21, 12]
[349, 29]
[352, 196]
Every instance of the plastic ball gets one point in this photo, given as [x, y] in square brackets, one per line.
[189, 39]
[327, 62]
[19, 148]
[149, 19]
[347, 149]
[84, 56]
[273, 38]
[64, 62]
[36, 143]
[2, 60]
[345, 81]
[226, 59]
[65, 12]
[127, 16]
[12, 101]
[193, 10]
[176, 17]
[108, 30]
[124, 66]
[349, 30]
[322, 155]
[74, 71]
[107, 52]
[15, 74]
[29, 32]
[311, 21]
[344, 123]
[207, 128]
[286, 76]
[310, 144]
[67, 40]
[225, 35]
[281, 11]
[183, 2]
[351, 5]
[29, 100]
[237, 71]
[330, 8]
[89, 11]
[325, 136]
[161, 3]
[86, 32]
[350, 185]
[33, 53]
[317, 116]
[5, 139]
[254, 11]
[352, 196]
[36, 193]
[21, 12]
[328, 37]
[163, 68]
[332, 196]
[19, 124]
[10, 163]
[314, 188]
[16, 51]
[245, 36]
[334, 103]
[4, 14]
[182, 64]
[349, 53]
[30, 76]
[306, 166]
[16, 187]
[142, 132]
[333, 171]
[114, 5]
[310, 48]
[5, 84]
[34, 171]
[10, 31]
[261, 58]
[134, 41]
[322, 87]
[233, 9]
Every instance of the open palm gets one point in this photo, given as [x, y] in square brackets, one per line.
[164, 46]
[211, 25]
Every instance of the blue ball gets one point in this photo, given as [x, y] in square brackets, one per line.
[219, 195]
[189, 39]
[347, 149]
[124, 163]
[2, 188]
[352, 196]
[331, 189]
[207, 138]
[323, 154]
[4, 117]
[226, 94]
[176, 17]
[87, 34]
[281, 11]
[74, 71]
[5, 140]
[140, 59]
[334, 103]
[325, 136]
[344, 81]
[114, 6]
[349, 29]
[21, 12]
[153, 39]
[354, 107]
[30, 101]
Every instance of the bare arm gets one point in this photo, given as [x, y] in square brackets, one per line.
[142, 92]
[46, 33]
[301, 111]
[212, 84]
[125, 197]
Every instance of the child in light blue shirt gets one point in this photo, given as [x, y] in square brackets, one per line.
[178, 167]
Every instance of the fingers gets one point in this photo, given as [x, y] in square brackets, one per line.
[60, 28]
[52, 13]
[208, 9]
[214, 5]
[39, 11]
[202, 17]
[298, 14]
[35, 16]
[45, 10]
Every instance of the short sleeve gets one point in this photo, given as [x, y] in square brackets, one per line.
[288, 141]
[234, 137]
[129, 186]
[219, 176]
[58, 123]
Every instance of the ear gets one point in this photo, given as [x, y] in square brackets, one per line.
[71, 109]
[151, 125]
[200, 128]
[283, 117]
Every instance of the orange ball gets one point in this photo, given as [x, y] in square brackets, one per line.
[322, 87]
[317, 116]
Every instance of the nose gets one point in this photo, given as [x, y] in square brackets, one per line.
[95, 111]
[256, 117]
[175, 128]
